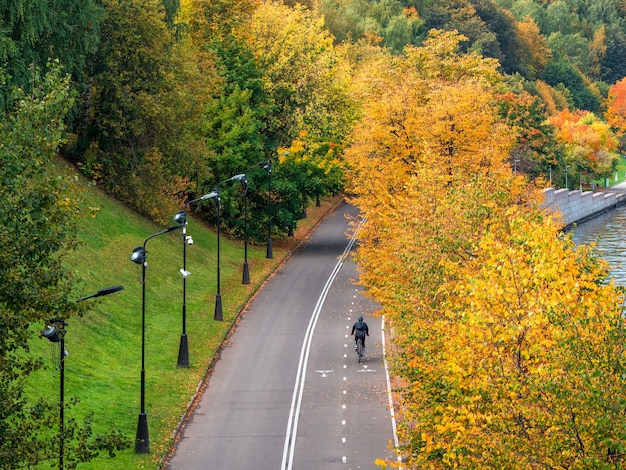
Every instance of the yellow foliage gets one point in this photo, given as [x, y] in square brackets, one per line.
[508, 345]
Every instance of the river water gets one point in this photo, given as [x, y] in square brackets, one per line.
[608, 231]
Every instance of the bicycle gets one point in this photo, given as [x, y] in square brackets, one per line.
[359, 348]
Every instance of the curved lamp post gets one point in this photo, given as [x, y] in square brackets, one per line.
[55, 332]
[218, 315]
[267, 166]
[245, 278]
[181, 218]
[243, 179]
[142, 442]
[550, 176]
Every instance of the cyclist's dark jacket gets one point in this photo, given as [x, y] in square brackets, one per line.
[360, 329]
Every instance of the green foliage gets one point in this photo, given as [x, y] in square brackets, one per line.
[537, 151]
[128, 81]
[589, 32]
[396, 24]
[34, 31]
[613, 64]
[282, 77]
[233, 133]
[511, 49]
[561, 71]
[147, 104]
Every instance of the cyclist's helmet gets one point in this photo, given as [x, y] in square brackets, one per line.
[360, 318]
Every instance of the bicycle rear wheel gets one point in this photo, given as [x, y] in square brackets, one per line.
[359, 348]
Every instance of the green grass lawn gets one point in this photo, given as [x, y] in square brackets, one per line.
[619, 176]
[103, 368]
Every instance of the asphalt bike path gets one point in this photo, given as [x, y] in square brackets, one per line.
[287, 391]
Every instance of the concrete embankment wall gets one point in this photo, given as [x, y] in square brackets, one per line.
[578, 206]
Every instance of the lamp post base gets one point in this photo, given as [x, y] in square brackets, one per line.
[183, 352]
[246, 274]
[218, 308]
[142, 442]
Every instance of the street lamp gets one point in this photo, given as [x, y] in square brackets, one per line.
[566, 186]
[55, 332]
[244, 181]
[245, 278]
[218, 316]
[267, 166]
[515, 166]
[142, 442]
[181, 218]
[550, 175]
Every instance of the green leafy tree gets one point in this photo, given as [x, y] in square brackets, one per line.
[304, 82]
[234, 129]
[613, 64]
[38, 211]
[561, 71]
[537, 151]
[299, 64]
[34, 31]
[392, 20]
[128, 82]
[313, 168]
[149, 94]
[572, 47]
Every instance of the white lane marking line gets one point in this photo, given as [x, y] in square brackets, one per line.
[343, 422]
[343, 440]
[344, 459]
[298, 389]
[389, 394]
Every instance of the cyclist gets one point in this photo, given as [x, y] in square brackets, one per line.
[360, 331]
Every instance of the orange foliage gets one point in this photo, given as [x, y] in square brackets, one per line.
[616, 107]
[589, 142]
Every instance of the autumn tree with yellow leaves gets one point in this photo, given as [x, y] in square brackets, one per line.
[506, 341]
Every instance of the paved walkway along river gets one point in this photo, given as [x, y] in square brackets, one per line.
[288, 391]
